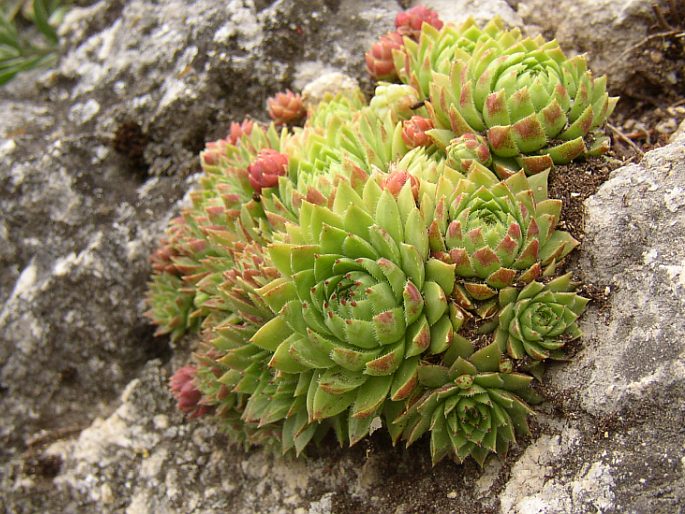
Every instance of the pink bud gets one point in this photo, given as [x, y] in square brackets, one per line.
[395, 180]
[238, 130]
[186, 393]
[266, 169]
[285, 107]
[213, 152]
[408, 23]
[379, 59]
[414, 131]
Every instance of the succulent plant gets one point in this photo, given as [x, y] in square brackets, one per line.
[231, 368]
[340, 108]
[266, 168]
[285, 107]
[500, 232]
[399, 101]
[409, 22]
[170, 296]
[238, 130]
[426, 163]
[221, 212]
[535, 106]
[379, 59]
[470, 407]
[351, 149]
[171, 303]
[226, 390]
[386, 260]
[226, 161]
[538, 320]
[436, 48]
[359, 302]
[415, 131]
[394, 181]
[187, 394]
[462, 151]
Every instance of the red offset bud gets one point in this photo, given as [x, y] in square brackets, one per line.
[285, 107]
[266, 169]
[395, 180]
[379, 59]
[214, 150]
[408, 23]
[238, 130]
[414, 131]
[186, 393]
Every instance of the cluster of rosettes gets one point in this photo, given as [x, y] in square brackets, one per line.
[390, 263]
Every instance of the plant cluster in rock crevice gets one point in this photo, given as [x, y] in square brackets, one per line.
[394, 263]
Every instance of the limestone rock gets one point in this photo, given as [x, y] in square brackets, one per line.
[620, 448]
[87, 154]
[482, 11]
[610, 31]
[87, 422]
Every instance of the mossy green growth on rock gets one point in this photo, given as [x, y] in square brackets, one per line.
[393, 262]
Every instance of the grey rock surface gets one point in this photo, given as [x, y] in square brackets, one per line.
[183, 73]
[618, 35]
[86, 150]
[76, 232]
[87, 422]
[621, 448]
[457, 11]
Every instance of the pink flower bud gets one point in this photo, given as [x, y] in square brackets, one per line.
[285, 107]
[395, 180]
[408, 23]
[266, 169]
[379, 59]
[238, 130]
[186, 393]
[414, 131]
[213, 152]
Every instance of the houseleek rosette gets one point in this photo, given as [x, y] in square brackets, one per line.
[343, 106]
[171, 303]
[286, 107]
[538, 320]
[361, 300]
[500, 232]
[434, 48]
[427, 164]
[331, 267]
[379, 60]
[465, 149]
[399, 101]
[226, 161]
[409, 22]
[535, 106]
[177, 264]
[198, 244]
[472, 405]
[250, 400]
[414, 131]
[350, 148]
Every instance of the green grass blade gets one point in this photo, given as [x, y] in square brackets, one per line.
[41, 19]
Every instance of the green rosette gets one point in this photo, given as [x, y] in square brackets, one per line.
[472, 405]
[360, 301]
[538, 320]
[535, 106]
